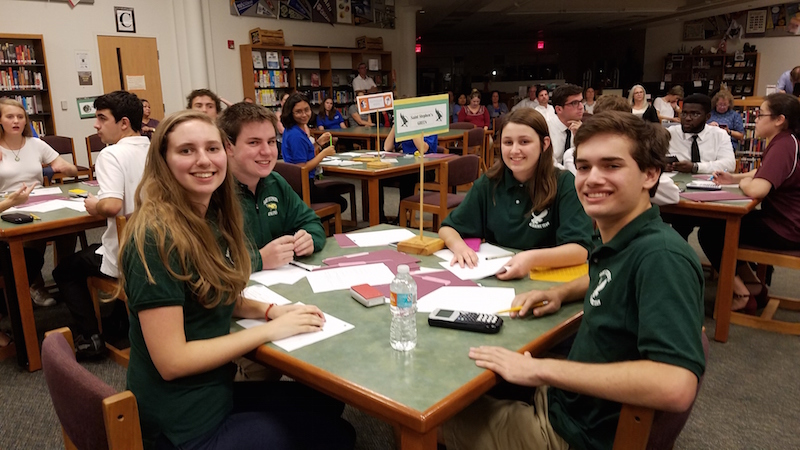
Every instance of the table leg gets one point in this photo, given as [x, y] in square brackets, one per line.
[374, 208]
[413, 440]
[24, 306]
[365, 200]
[727, 272]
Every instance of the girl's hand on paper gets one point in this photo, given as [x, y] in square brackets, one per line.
[294, 319]
[464, 256]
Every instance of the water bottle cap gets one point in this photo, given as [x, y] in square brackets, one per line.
[402, 268]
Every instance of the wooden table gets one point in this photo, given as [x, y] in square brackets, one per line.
[372, 177]
[418, 390]
[370, 135]
[731, 213]
[55, 223]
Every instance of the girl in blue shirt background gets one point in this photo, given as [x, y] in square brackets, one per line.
[330, 118]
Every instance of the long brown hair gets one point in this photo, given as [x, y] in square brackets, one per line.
[165, 214]
[543, 185]
[26, 130]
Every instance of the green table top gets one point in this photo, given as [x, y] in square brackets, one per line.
[402, 161]
[53, 216]
[419, 379]
[682, 178]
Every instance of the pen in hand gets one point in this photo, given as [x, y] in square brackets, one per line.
[518, 308]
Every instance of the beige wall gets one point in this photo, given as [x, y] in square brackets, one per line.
[778, 54]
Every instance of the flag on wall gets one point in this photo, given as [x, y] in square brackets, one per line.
[295, 9]
[322, 11]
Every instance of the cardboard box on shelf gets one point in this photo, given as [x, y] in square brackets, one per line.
[259, 36]
[369, 43]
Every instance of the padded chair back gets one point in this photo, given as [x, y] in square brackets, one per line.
[462, 125]
[93, 145]
[498, 124]
[294, 175]
[62, 144]
[463, 170]
[475, 137]
[77, 395]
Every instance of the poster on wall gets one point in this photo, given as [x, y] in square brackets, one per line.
[382, 14]
[295, 10]
[255, 8]
[344, 12]
[362, 12]
[322, 11]
[774, 21]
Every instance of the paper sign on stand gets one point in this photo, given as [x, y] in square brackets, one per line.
[374, 103]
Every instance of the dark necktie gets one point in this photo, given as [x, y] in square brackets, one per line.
[568, 142]
[695, 150]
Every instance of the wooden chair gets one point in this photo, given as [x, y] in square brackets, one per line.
[65, 146]
[92, 414]
[499, 122]
[462, 126]
[93, 145]
[476, 143]
[341, 188]
[645, 428]
[297, 177]
[764, 257]
[453, 172]
[99, 284]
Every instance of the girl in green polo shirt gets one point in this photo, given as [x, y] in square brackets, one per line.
[522, 202]
[184, 264]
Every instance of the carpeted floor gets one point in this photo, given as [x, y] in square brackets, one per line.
[750, 397]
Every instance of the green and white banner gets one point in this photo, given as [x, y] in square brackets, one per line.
[421, 116]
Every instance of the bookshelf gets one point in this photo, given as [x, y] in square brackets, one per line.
[318, 72]
[24, 77]
[751, 149]
[738, 70]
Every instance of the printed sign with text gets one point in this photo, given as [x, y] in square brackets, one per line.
[421, 115]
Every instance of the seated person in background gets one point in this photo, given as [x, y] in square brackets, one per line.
[522, 202]
[356, 119]
[529, 102]
[148, 125]
[724, 116]
[777, 184]
[462, 102]
[543, 105]
[699, 148]
[787, 80]
[562, 126]
[22, 159]
[588, 100]
[118, 169]
[667, 106]
[639, 341]
[474, 112]
[183, 265]
[330, 118]
[277, 221]
[638, 100]
[667, 193]
[34, 261]
[406, 183]
[496, 107]
[300, 148]
[362, 82]
[206, 101]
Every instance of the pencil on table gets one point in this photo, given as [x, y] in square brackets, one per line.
[518, 308]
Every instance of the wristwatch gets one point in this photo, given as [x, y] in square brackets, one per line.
[694, 167]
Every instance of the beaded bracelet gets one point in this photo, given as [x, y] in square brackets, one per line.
[266, 313]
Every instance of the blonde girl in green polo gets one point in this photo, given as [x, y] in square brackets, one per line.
[523, 202]
[184, 263]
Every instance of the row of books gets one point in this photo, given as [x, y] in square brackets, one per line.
[16, 79]
[273, 60]
[316, 97]
[38, 125]
[746, 164]
[271, 78]
[11, 53]
[343, 97]
[268, 97]
[32, 103]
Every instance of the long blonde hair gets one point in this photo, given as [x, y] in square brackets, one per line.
[165, 214]
[26, 130]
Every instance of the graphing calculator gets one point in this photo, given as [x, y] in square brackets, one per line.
[463, 320]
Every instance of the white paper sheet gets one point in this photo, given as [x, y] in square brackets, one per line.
[353, 154]
[380, 238]
[477, 299]
[287, 274]
[484, 269]
[46, 191]
[263, 294]
[332, 327]
[486, 251]
[344, 277]
[51, 205]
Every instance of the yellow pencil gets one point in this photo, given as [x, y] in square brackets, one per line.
[518, 308]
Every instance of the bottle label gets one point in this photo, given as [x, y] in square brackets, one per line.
[401, 300]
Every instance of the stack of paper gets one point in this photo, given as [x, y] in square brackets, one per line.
[488, 300]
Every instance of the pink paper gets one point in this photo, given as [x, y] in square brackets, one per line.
[701, 176]
[437, 155]
[43, 198]
[429, 282]
[473, 243]
[344, 241]
[371, 257]
[713, 196]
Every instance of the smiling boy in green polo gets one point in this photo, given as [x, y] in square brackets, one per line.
[639, 341]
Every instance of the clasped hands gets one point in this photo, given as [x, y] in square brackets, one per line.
[282, 250]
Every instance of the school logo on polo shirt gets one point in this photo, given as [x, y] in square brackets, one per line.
[605, 278]
[271, 203]
[537, 220]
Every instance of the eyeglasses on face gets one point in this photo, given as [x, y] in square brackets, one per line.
[759, 114]
[574, 103]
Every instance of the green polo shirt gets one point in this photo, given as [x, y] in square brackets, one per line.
[645, 301]
[191, 406]
[499, 212]
[274, 211]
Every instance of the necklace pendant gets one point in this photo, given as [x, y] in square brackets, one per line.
[16, 158]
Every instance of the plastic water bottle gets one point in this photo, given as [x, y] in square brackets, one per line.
[403, 332]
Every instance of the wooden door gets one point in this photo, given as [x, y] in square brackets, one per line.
[127, 63]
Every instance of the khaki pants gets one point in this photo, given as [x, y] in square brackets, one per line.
[490, 423]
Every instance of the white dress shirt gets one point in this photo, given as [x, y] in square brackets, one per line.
[716, 151]
[547, 111]
[363, 84]
[558, 138]
[525, 103]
